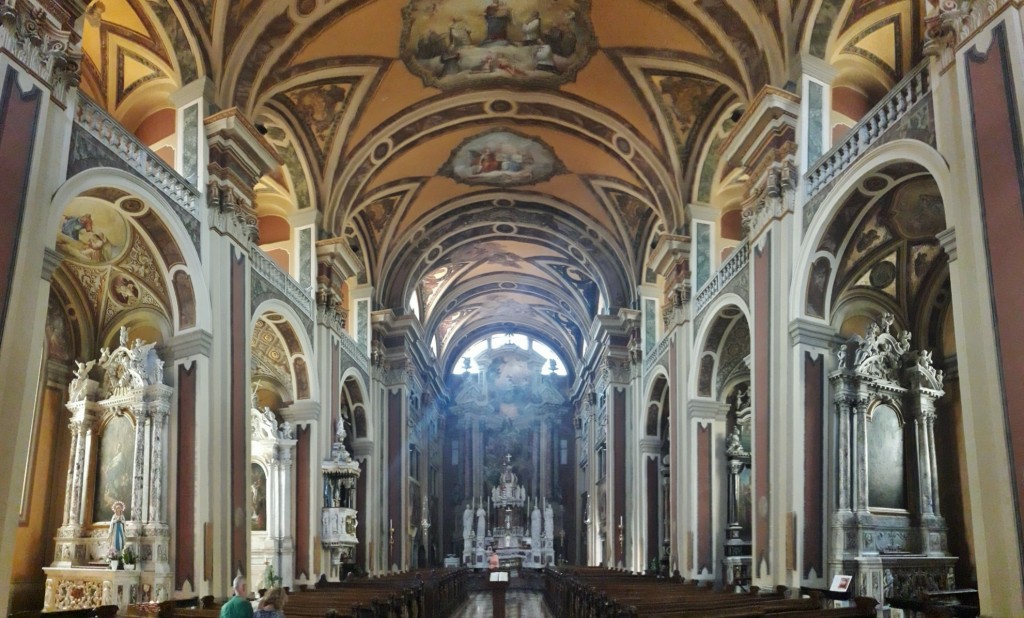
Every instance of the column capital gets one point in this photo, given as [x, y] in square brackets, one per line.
[706, 409]
[817, 69]
[947, 239]
[195, 342]
[51, 260]
[303, 411]
[805, 331]
[201, 88]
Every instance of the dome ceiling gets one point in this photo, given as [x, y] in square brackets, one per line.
[508, 161]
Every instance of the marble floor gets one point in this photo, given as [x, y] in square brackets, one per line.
[518, 604]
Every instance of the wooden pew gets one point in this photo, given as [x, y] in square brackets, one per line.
[585, 592]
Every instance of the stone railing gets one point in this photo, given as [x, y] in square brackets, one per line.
[283, 282]
[657, 352]
[353, 349]
[137, 155]
[729, 269]
[898, 102]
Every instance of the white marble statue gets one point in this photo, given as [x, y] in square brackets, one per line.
[535, 526]
[549, 524]
[467, 522]
[481, 524]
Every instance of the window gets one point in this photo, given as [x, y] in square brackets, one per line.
[553, 362]
[563, 452]
[414, 462]
[455, 452]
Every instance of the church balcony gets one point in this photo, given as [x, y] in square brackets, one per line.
[913, 89]
[734, 265]
[136, 156]
[281, 285]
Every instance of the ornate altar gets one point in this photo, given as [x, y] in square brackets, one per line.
[118, 441]
[339, 517]
[271, 486]
[516, 534]
[886, 528]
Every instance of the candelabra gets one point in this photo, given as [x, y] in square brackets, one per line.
[621, 536]
[391, 538]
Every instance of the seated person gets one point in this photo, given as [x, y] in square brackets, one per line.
[272, 604]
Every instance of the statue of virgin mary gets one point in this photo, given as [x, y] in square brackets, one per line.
[116, 531]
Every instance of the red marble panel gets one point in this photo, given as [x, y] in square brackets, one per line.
[705, 554]
[619, 467]
[999, 159]
[396, 480]
[653, 551]
[184, 506]
[19, 113]
[239, 416]
[813, 533]
[762, 397]
[302, 496]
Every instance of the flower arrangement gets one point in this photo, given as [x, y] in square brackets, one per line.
[113, 554]
[129, 556]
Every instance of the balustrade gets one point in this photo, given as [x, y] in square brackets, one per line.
[901, 99]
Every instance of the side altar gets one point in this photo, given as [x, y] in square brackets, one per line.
[515, 532]
[119, 433]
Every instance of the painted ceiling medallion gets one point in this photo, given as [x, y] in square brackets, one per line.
[466, 43]
[502, 158]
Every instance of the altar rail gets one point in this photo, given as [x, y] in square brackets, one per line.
[137, 155]
[282, 282]
[730, 268]
[912, 89]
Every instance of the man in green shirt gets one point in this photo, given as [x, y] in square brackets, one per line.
[237, 606]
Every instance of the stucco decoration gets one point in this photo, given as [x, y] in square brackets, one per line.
[502, 158]
[465, 43]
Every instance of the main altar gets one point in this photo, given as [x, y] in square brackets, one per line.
[509, 523]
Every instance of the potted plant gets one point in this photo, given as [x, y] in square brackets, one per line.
[114, 557]
[129, 557]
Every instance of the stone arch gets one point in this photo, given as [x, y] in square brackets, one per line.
[295, 344]
[895, 152]
[727, 317]
[190, 308]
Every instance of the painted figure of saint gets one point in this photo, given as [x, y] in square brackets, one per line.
[497, 16]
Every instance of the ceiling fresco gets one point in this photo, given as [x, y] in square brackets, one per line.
[474, 43]
[509, 161]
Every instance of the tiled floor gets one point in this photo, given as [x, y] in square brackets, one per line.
[518, 604]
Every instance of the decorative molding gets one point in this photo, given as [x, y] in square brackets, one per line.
[651, 359]
[51, 53]
[354, 351]
[774, 198]
[947, 239]
[900, 100]
[804, 331]
[736, 263]
[230, 214]
[138, 156]
[706, 409]
[951, 24]
[51, 260]
[303, 411]
[195, 342]
[281, 285]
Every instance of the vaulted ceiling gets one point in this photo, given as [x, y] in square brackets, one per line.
[510, 162]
